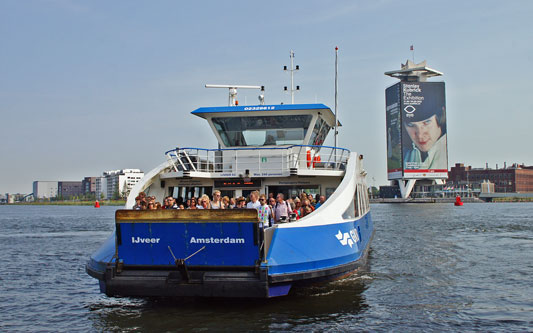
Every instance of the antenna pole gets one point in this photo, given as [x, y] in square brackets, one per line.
[336, 84]
[292, 76]
[292, 69]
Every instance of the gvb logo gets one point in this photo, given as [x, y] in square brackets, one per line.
[348, 238]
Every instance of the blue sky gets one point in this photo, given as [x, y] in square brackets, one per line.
[101, 85]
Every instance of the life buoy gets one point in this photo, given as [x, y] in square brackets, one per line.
[316, 160]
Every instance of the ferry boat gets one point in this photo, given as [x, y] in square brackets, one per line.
[227, 252]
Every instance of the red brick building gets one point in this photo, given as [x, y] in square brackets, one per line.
[517, 178]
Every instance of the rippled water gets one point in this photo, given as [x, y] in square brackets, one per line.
[432, 267]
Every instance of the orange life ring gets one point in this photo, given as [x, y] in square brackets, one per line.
[316, 159]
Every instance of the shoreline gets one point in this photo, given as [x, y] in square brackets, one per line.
[424, 200]
[449, 200]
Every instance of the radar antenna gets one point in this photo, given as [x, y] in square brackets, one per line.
[232, 101]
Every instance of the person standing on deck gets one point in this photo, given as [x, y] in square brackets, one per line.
[321, 201]
[271, 205]
[217, 201]
[264, 212]
[281, 210]
[254, 203]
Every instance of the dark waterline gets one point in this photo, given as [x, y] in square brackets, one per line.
[432, 267]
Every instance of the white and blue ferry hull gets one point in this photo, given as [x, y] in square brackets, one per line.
[297, 256]
[320, 253]
[330, 243]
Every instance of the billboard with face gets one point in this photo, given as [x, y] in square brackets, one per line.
[416, 130]
[394, 132]
[423, 118]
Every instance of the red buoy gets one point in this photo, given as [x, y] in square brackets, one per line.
[96, 204]
[458, 201]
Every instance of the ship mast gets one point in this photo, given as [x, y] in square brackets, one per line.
[292, 70]
[336, 81]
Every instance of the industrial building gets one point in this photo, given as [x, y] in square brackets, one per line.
[69, 189]
[467, 181]
[45, 189]
[514, 179]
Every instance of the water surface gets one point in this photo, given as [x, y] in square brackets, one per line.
[432, 267]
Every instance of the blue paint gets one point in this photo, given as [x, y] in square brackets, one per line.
[279, 290]
[226, 244]
[292, 250]
[314, 248]
[258, 108]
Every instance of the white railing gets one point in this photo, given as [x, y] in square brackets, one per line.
[258, 161]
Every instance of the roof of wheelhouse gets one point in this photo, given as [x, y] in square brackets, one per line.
[200, 112]
[304, 117]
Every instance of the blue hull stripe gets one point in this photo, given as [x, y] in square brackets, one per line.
[314, 248]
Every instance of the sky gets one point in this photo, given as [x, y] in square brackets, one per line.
[90, 86]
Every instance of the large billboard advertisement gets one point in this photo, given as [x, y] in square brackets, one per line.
[394, 132]
[421, 121]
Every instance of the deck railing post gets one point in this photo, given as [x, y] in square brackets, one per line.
[178, 157]
[289, 156]
[171, 162]
[299, 156]
[283, 163]
[259, 160]
[189, 160]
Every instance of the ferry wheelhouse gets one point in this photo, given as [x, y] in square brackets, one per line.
[226, 252]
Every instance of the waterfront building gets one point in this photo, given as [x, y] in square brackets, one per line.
[514, 179]
[69, 189]
[467, 181]
[113, 183]
[389, 191]
[45, 189]
[487, 187]
[88, 185]
[101, 187]
[118, 183]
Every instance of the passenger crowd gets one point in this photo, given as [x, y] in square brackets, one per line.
[270, 209]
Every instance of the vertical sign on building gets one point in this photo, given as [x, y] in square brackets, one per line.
[394, 132]
[423, 126]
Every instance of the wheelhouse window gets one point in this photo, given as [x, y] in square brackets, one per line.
[320, 131]
[262, 130]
